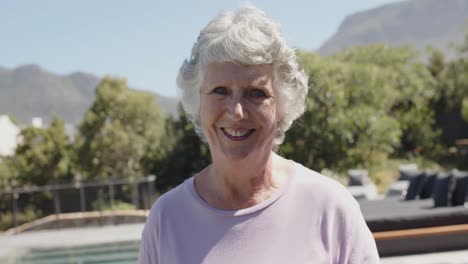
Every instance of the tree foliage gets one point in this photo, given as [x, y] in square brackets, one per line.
[451, 104]
[43, 155]
[8, 176]
[121, 130]
[363, 105]
[186, 153]
[412, 86]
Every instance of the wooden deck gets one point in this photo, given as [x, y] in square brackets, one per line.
[422, 240]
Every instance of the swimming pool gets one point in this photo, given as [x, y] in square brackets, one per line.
[118, 253]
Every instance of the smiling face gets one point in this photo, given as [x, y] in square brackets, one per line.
[238, 110]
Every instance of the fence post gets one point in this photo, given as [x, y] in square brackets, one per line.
[111, 194]
[136, 195]
[57, 205]
[15, 209]
[151, 182]
[111, 198]
[145, 196]
[82, 198]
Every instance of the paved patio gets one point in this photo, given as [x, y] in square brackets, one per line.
[11, 245]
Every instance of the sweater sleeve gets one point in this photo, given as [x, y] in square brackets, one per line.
[149, 247]
[363, 249]
[144, 256]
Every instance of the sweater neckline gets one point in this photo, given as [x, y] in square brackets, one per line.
[189, 185]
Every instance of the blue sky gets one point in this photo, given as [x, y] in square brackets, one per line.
[143, 41]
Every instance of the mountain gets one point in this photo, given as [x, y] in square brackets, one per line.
[30, 91]
[416, 22]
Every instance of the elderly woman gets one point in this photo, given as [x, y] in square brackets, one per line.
[242, 89]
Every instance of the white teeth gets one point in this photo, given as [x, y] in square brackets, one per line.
[236, 133]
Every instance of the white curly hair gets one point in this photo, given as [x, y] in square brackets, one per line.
[246, 36]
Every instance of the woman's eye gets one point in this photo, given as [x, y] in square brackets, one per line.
[219, 90]
[257, 93]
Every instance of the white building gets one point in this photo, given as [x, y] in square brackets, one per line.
[8, 136]
[10, 133]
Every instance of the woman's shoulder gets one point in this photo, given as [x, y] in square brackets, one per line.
[312, 179]
[339, 212]
[172, 198]
[165, 206]
[321, 188]
[324, 196]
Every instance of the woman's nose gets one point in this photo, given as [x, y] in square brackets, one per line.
[237, 110]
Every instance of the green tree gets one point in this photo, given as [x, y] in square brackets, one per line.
[347, 121]
[186, 153]
[8, 173]
[452, 106]
[364, 104]
[43, 155]
[414, 87]
[458, 74]
[121, 131]
[452, 83]
[436, 63]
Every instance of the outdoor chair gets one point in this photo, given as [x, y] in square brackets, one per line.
[428, 184]
[400, 187]
[416, 179]
[360, 186]
[442, 189]
[460, 190]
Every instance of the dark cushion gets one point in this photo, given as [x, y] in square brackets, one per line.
[393, 214]
[442, 186]
[428, 185]
[461, 187]
[415, 185]
[357, 177]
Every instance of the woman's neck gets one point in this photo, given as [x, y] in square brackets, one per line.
[238, 185]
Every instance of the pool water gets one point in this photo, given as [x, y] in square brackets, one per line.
[118, 253]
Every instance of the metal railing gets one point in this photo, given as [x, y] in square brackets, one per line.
[143, 193]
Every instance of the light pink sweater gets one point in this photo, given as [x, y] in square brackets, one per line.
[313, 219]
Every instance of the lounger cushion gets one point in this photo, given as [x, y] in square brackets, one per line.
[397, 214]
[415, 185]
[442, 186]
[428, 185]
[461, 187]
[358, 178]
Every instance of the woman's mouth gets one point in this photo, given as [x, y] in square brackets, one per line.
[237, 134]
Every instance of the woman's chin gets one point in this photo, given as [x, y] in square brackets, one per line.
[236, 155]
[239, 155]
